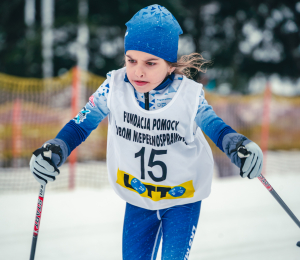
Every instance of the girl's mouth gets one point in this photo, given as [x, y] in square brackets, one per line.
[140, 83]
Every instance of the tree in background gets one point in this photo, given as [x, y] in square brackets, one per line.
[20, 55]
[15, 57]
[242, 38]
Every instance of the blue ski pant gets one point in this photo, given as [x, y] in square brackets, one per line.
[143, 229]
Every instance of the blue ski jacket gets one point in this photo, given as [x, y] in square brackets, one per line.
[80, 127]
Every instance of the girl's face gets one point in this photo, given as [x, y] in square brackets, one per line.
[146, 71]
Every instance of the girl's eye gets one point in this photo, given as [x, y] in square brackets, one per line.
[131, 61]
[151, 63]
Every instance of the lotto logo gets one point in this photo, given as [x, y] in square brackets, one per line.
[153, 191]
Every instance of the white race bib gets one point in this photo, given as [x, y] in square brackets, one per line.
[155, 159]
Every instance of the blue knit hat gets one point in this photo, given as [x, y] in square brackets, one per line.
[153, 30]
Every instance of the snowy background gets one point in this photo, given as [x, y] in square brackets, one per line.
[239, 221]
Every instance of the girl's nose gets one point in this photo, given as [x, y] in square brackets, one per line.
[139, 72]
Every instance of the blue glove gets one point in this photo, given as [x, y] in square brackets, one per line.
[41, 164]
[244, 153]
[45, 160]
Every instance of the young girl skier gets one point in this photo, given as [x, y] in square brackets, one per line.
[157, 157]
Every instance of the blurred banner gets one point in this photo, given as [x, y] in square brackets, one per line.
[33, 111]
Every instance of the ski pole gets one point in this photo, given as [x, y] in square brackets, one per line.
[243, 153]
[37, 221]
[280, 201]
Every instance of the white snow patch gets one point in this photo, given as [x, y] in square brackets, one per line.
[239, 221]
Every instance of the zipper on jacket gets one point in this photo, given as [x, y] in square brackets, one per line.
[147, 100]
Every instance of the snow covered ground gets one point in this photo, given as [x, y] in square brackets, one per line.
[239, 221]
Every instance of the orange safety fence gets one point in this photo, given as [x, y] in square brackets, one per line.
[33, 111]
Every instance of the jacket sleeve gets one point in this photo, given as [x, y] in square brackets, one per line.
[212, 125]
[79, 128]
